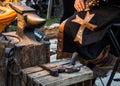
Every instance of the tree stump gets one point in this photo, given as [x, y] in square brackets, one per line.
[2, 60]
[28, 53]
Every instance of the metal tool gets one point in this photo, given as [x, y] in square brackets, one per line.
[73, 59]
[64, 68]
[53, 72]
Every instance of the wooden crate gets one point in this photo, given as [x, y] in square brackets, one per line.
[28, 53]
[37, 76]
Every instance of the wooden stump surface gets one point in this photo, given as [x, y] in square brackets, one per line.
[28, 53]
[2, 60]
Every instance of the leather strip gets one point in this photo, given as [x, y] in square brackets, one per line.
[84, 24]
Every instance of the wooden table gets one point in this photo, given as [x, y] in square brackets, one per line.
[37, 76]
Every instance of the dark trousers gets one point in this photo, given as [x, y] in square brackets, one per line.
[68, 7]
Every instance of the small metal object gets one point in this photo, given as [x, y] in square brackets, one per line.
[72, 69]
[39, 35]
[53, 72]
[64, 68]
[73, 59]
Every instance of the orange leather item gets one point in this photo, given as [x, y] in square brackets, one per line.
[61, 54]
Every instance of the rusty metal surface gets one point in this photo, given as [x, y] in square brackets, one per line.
[27, 19]
[21, 8]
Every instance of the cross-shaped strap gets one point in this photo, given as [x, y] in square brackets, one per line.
[84, 24]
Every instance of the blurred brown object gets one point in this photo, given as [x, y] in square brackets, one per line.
[51, 31]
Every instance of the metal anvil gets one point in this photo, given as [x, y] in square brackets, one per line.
[27, 20]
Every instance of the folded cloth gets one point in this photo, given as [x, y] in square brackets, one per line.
[91, 33]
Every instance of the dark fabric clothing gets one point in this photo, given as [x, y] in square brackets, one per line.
[93, 41]
[115, 2]
[68, 9]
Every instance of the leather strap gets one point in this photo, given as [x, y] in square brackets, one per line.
[84, 24]
[104, 54]
[61, 54]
